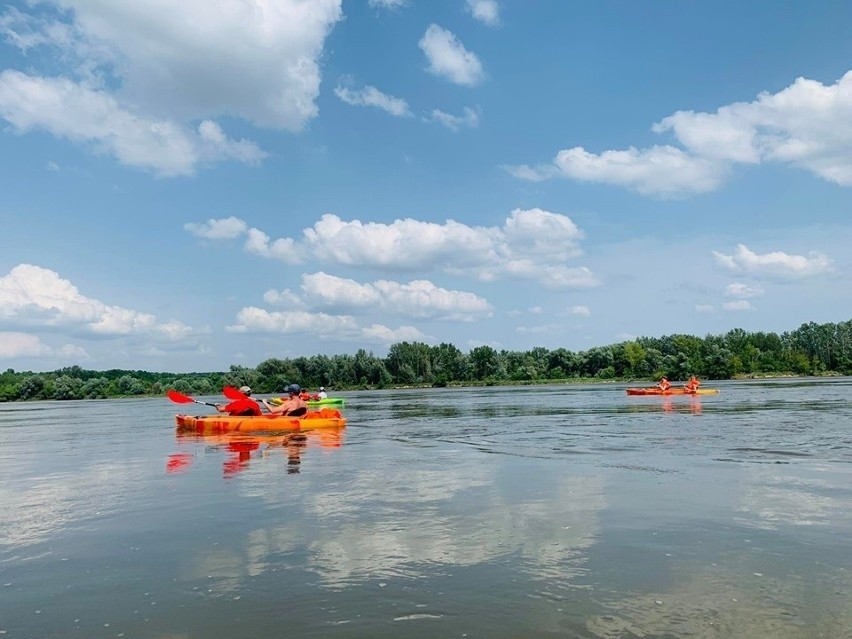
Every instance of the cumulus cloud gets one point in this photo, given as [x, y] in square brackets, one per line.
[486, 11]
[660, 170]
[803, 125]
[532, 244]
[286, 298]
[742, 291]
[539, 330]
[371, 96]
[468, 119]
[35, 296]
[580, 310]
[387, 4]
[321, 325]
[416, 299]
[222, 229]
[130, 77]
[776, 265]
[449, 59]
[77, 113]
[283, 249]
[17, 345]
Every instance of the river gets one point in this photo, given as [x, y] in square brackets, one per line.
[533, 511]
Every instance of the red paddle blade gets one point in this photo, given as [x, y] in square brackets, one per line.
[232, 393]
[179, 398]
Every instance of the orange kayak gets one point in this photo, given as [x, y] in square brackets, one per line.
[671, 391]
[323, 418]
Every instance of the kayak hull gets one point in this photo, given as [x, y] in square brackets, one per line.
[328, 401]
[312, 403]
[212, 424]
[671, 391]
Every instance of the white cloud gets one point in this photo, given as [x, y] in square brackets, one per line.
[371, 96]
[227, 228]
[580, 310]
[417, 299]
[286, 298]
[468, 119]
[536, 232]
[133, 76]
[14, 345]
[775, 265]
[550, 276]
[283, 249]
[660, 170]
[322, 325]
[737, 305]
[536, 310]
[531, 174]
[532, 244]
[387, 4]
[404, 243]
[449, 59]
[381, 334]
[80, 114]
[705, 308]
[486, 11]
[742, 291]
[538, 330]
[35, 296]
[804, 125]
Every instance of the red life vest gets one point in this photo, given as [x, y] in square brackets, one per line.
[243, 408]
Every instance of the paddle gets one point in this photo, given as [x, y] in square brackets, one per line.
[232, 393]
[180, 398]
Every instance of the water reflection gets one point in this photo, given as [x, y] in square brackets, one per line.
[665, 403]
[772, 499]
[553, 511]
[742, 594]
[240, 449]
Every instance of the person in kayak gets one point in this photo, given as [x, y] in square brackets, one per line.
[664, 384]
[293, 406]
[692, 385]
[244, 407]
[322, 394]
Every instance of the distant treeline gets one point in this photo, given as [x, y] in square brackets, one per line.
[812, 349]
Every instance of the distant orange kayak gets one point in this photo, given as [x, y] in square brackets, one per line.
[672, 391]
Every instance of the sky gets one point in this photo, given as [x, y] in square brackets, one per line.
[189, 186]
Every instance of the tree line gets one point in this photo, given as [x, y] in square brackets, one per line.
[811, 349]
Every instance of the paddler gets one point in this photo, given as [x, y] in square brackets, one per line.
[293, 406]
[692, 385]
[243, 407]
[664, 384]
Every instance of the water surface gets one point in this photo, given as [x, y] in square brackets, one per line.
[569, 511]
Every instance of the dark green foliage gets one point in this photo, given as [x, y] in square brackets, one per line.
[812, 349]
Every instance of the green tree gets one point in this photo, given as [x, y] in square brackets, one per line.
[67, 387]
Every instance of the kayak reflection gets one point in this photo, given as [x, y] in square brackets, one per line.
[668, 404]
[241, 449]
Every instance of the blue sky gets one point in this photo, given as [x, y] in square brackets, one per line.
[185, 187]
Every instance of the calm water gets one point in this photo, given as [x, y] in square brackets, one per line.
[565, 511]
